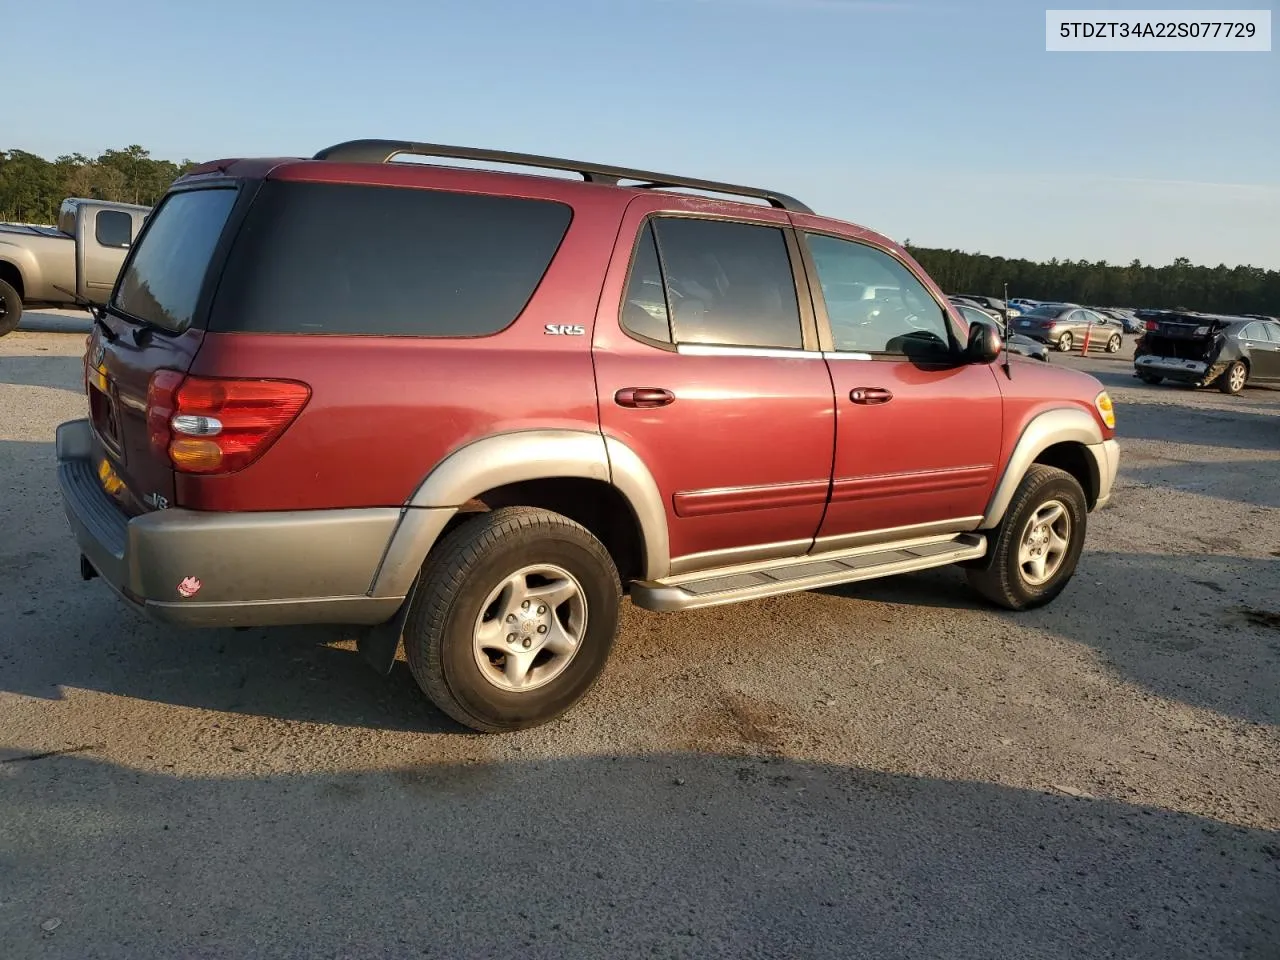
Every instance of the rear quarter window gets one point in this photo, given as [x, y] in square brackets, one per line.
[385, 261]
[113, 228]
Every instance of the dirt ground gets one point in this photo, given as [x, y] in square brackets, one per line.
[890, 769]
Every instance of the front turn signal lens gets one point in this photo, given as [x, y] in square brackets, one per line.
[1105, 409]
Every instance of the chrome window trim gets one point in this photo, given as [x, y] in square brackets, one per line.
[716, 350]
[852, 355]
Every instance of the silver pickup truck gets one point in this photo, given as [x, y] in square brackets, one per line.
[74, 262]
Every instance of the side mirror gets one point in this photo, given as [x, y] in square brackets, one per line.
[984, 344]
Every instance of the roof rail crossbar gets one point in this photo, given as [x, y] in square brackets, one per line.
[383, 151]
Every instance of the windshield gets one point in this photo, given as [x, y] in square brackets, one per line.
[161, 284]
[1045, 312]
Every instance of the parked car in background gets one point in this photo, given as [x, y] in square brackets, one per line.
[76, 261]
[461, 410]
[991, 303]
[1023, 304]
[1200, 349]
[1065, 324]
[1126, 318]
[1014, 342]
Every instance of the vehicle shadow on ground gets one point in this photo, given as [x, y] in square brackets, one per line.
[1209, 635]
[61, 631]
[39, 322]
[1253, 482]
[309, 674]
[1248, 427]
[56, 372]
[626, 856]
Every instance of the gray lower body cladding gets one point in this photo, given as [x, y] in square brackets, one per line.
[228, 569]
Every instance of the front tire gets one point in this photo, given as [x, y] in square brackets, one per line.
[10, 309]
[1065, 342]
[1234, 378]
[1114, 344]
[514, 619]
[1035, 549]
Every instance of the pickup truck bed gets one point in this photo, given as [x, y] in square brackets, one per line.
[33, 230]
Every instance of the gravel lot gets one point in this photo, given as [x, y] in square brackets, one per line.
[885, 770]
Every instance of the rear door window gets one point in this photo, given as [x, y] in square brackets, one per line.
[161, 283]
[384, 261]
[728, 283]
[113, 228]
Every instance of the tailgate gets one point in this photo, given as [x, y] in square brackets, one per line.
[153, 323]
[140, 477]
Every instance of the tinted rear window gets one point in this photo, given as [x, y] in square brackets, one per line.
[342, 259]
[162, 281]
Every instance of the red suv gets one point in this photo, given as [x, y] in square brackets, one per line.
[470, 409]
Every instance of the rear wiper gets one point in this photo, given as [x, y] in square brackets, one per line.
[143, 330]
[98, 313]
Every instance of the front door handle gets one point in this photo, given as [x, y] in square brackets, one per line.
[643, 397]
[868, 395]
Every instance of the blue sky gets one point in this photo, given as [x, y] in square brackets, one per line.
[946, 123]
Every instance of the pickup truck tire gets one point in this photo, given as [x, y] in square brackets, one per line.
[1234, 377]
[1035, 549]
[1151, 378]
[10, 309]
[479, 640]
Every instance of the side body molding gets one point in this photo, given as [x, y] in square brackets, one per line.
[1064, 425]
[512, 458]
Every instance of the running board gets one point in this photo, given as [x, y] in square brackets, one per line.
[712, 588]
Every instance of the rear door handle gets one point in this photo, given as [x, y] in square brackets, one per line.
[869, 395]
[643, 397]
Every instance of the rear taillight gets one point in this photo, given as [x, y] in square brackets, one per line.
[218, 425]
[1152, 326]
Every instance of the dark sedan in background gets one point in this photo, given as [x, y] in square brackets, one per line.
[990, 304]
[1201, 348]
[1064, 325]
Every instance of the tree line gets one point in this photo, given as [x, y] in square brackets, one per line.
[33, 188]
[1179, 285]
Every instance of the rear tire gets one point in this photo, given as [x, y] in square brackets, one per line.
[1065, 342]
[10, 309]
[1151, 378]
[1234, 377]
[1114, 344]
[458, 636]
[1035, 549]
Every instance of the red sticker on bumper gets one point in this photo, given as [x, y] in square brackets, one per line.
[189, 587]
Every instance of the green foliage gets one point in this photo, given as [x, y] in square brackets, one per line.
[33, 188]
[1219, 289]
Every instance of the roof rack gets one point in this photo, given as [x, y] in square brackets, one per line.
[382, 151]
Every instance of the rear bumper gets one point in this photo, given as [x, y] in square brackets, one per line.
[253, 569]
[1173, 368]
